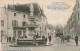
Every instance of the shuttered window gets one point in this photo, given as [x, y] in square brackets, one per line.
[14, 14]
[1, 33]
[2, 23]
[14, 23]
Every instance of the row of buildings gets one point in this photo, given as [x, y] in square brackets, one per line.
[24, 20]
[73, 24]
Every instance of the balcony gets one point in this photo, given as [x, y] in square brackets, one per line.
[25, 26]
[19, 28]
[32, 25]
[31, 18]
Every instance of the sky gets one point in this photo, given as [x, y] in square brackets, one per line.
[54, 17]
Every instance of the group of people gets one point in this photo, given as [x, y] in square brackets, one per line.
[45, 39]
[11, 39]
[66, 37]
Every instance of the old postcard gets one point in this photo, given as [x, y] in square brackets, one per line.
[39, 25]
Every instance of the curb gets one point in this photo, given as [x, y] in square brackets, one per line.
[28, 45]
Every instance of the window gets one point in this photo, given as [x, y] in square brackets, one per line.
[24, 23]
[1, 33]
[2, 23]
[14, 14]
[14, 23]
[24, 16]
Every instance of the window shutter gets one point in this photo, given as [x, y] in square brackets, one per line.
[2, 23]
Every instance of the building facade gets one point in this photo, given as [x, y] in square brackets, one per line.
[73, 24]
[22, 21]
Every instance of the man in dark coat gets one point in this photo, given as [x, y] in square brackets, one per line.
[68, 38]
[50, 39]
[62, 38]
[46, 40]
[13, 39]
[43, 36]
[9, 39]
[76, 40]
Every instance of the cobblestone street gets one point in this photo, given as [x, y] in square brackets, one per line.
[57, 46]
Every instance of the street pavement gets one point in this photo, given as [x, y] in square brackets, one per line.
[57, 46]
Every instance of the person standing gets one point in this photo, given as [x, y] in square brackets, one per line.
[34, 40]
[46, 40]
[50, 39]
[37, 35]
[68, 38]
[43, 37]
[76, 40]
[62, 38]
[13, 39]
[9, 39]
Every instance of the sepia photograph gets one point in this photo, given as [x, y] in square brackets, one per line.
[39, 25]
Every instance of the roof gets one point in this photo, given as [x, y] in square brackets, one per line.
[26, 8]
